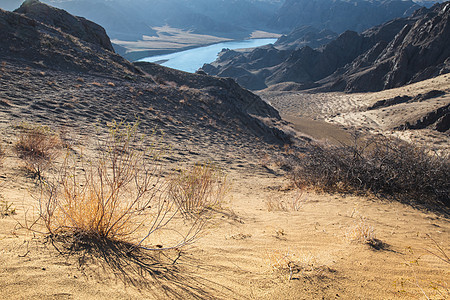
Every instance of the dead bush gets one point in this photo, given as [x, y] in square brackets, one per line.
[38, 146]
[290, 263]
[119, 195]
[293, 203]
[199, 189]
[361, 232]
[6, 209]
[379, 165]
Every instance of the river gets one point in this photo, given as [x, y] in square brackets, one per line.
[193, 59]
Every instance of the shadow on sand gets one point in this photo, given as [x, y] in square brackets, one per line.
[163, 273]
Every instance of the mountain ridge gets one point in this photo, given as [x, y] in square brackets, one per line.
[354, 62]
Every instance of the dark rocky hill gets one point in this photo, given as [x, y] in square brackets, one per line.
[305, 36]
[304, 66]
[129, 20]
[340, 15]
[41, 45]
[419, 51]
[395, 53]
[60, 79]
[77, 26]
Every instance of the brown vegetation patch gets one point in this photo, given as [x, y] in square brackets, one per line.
[377, 165]
[38, 146]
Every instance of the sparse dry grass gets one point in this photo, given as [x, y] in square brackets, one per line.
[38, 146]
[6, 209]
[290, 263]
[117, 196]
[199, 189]
[362, 232]
[2, 154]
[293, 203]
[437, 289]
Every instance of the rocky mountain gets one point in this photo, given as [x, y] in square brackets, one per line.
[42, 45]
[305, 36]
[303, 66]
[130, 19]
[340, 15]
[61, 78]
[419, 51]
[392, 54]
[77, 26]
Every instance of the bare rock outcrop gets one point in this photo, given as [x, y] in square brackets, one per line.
[438, 119]
[77, 26]
[340, 15]
[393, 54]
[419, 51]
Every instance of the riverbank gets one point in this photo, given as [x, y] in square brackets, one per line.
[193, 59]
[170, 40]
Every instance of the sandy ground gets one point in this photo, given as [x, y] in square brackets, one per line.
[170, 40]
[349, 111]
[247, 249]
[238, 255]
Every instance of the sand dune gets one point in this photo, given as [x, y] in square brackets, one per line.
[246, 250]
[350, 111]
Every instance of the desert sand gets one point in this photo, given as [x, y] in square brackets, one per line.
[236, 256]
[246, 250]
[349, 112]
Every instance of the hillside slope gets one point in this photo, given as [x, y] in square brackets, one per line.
[80, 80]
[340, 15]
[395, 53]
[266, 240]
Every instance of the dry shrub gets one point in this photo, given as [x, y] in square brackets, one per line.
[440, 288]
[282, 204]
[290, 263]
[38, 146]
[6, 209]
[362, 232]
[438, 252]
[378, 165]
[117, 196]
[198, 189]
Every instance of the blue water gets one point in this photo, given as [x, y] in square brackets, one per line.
[193, 59]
